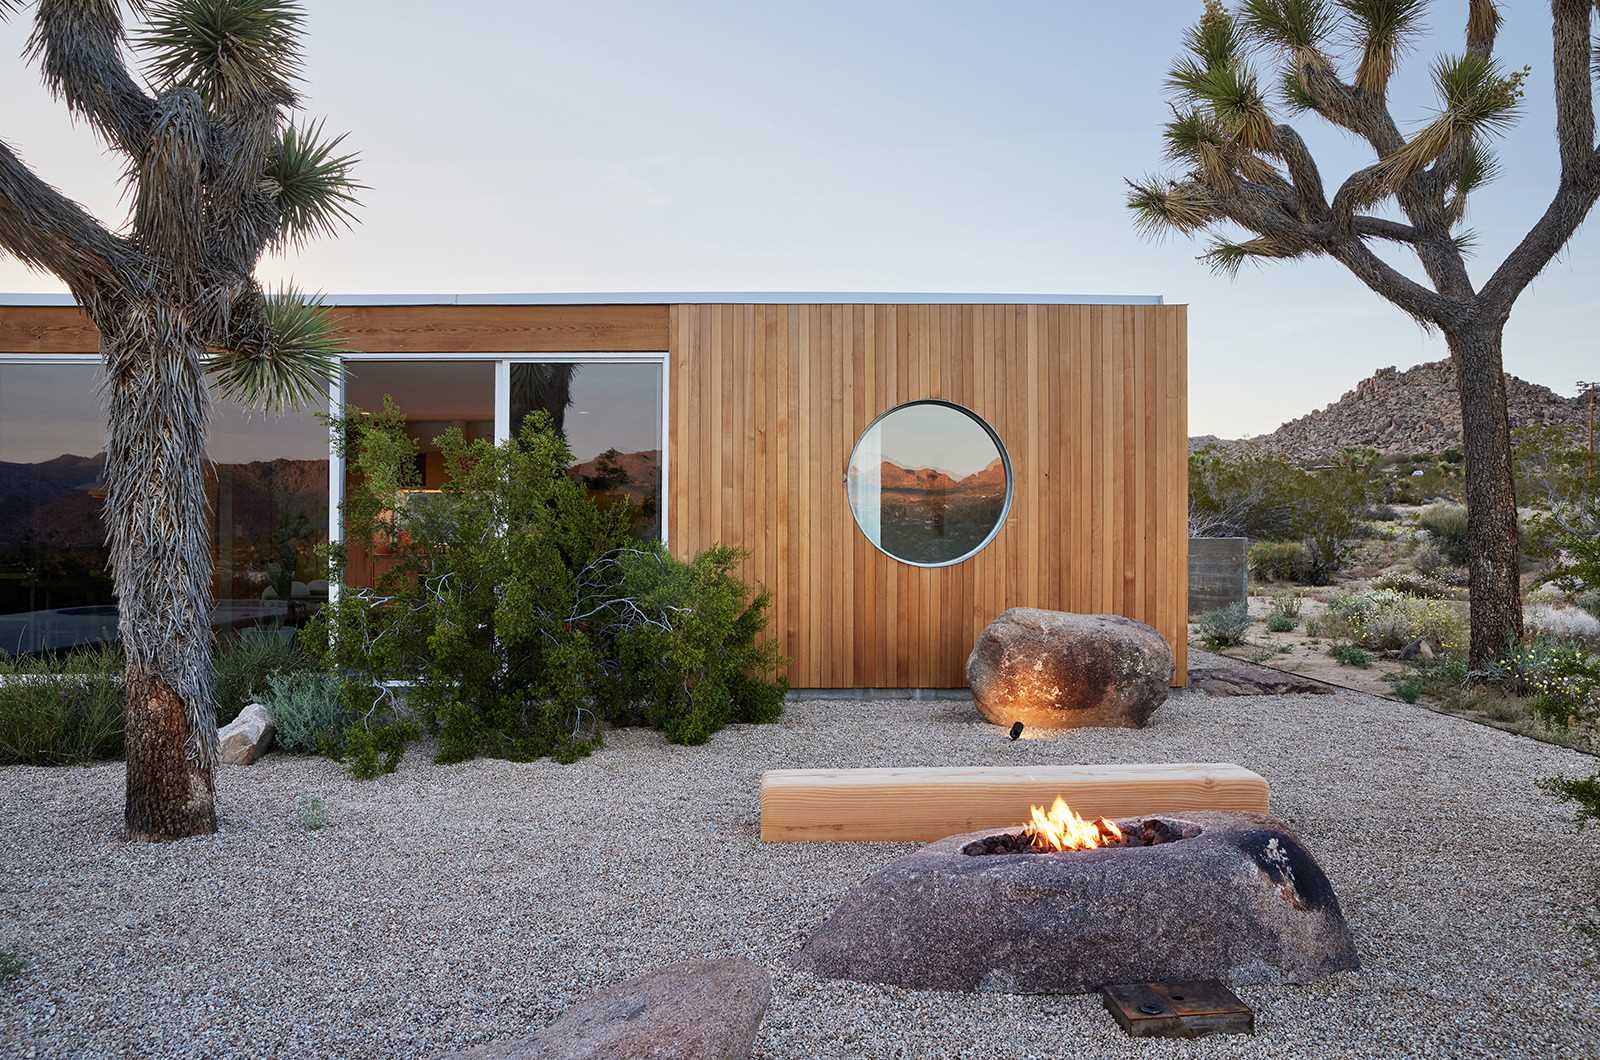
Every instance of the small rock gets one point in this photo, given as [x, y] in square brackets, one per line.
[1054, 670]
[247, 737]
[692, 1010]
[1417, 649]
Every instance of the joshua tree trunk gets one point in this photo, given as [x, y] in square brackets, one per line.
[1491, 495]
[158, 526]
[218, 173]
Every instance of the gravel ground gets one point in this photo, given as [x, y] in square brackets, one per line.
[448, 905]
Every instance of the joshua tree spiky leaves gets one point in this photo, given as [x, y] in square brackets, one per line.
[218, 173]
[1238, 164]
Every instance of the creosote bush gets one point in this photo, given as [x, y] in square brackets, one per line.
[61, 711]
[1225, 626]
[1446, 524]
[1280, 561]
[523, 614]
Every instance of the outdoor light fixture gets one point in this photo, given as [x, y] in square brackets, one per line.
[1016, 729]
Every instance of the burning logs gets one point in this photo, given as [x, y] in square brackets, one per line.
[1228, 896]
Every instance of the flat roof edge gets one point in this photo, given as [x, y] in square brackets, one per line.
[686, 298]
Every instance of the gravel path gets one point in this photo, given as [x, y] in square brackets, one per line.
[448, 905]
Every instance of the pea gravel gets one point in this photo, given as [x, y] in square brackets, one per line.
[449, 905]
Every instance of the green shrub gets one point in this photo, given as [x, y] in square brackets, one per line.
[245, 659]
[61, 711]
[1279, 561]
[1277, 623]
[1413, 584]
[1225, 626]
[1287, 604]
[1385, 620]
[1408, 687]
[1447, 525]
[1428, 560]
[524, 613]
[306, 711]
[1350, 655]
[12, 964]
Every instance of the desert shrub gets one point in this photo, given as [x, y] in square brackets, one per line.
[1287, 604]
[245, 659]
[1589, 600]
[1446, 524]
[1279, 561]
[1409, 686]
[1242, 496]
[1428, 560]
[1413, 584]
[1225, 626]
[306, 711]
[1567, 623]
[12, 964]
[697, 666]
[1383, 513]
[1277, 623]
[524, 613]
[61, 711]
[1385, 620]
[1350, 655]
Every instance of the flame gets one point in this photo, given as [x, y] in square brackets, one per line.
[1062, 829]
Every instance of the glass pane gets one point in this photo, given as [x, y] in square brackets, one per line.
[610, 415]
[55, 590]
[929, 483]
[433, 396]
[268, 488]
[268, 494]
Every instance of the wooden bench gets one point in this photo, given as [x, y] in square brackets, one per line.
[921, 805]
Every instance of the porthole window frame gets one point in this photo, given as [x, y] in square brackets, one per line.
[1005, 464]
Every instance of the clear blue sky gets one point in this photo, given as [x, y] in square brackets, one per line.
[838, 146]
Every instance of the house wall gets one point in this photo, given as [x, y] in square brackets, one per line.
[767, 402]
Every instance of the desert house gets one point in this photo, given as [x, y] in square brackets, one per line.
[901, 468]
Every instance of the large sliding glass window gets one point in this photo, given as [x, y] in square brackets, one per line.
[268, 494]
[611, 416]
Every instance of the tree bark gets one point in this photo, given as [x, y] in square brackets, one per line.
[159, 531]
[1492, 538]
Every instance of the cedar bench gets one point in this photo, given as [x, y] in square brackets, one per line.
[921, 805]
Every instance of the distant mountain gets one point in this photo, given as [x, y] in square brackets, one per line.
[1398, 413]
[893, 476]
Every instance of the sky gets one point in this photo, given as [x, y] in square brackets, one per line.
[835, 146]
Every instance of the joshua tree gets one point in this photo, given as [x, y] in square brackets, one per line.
[218, 172]
[1240, 165]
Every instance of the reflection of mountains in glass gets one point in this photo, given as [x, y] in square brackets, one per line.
[634, 477]
[267, 518]
[928, 516]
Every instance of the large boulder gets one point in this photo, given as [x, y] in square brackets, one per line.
[1055, 670]
[247, 737]
[1241, 901]
[692, 1010]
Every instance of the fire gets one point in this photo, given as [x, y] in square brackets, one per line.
[1062, 829]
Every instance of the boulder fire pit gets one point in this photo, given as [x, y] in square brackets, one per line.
[1066, 906]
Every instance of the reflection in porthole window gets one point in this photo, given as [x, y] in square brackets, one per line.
[929, 483]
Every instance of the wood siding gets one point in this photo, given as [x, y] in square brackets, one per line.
[767, 402]
[404, 329]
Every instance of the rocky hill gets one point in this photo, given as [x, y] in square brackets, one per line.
[1395, 412]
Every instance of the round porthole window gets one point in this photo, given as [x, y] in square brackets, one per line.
[929, 483]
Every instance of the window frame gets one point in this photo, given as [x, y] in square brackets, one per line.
[1005, 464]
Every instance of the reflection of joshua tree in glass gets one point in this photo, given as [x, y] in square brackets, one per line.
[542, 386]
